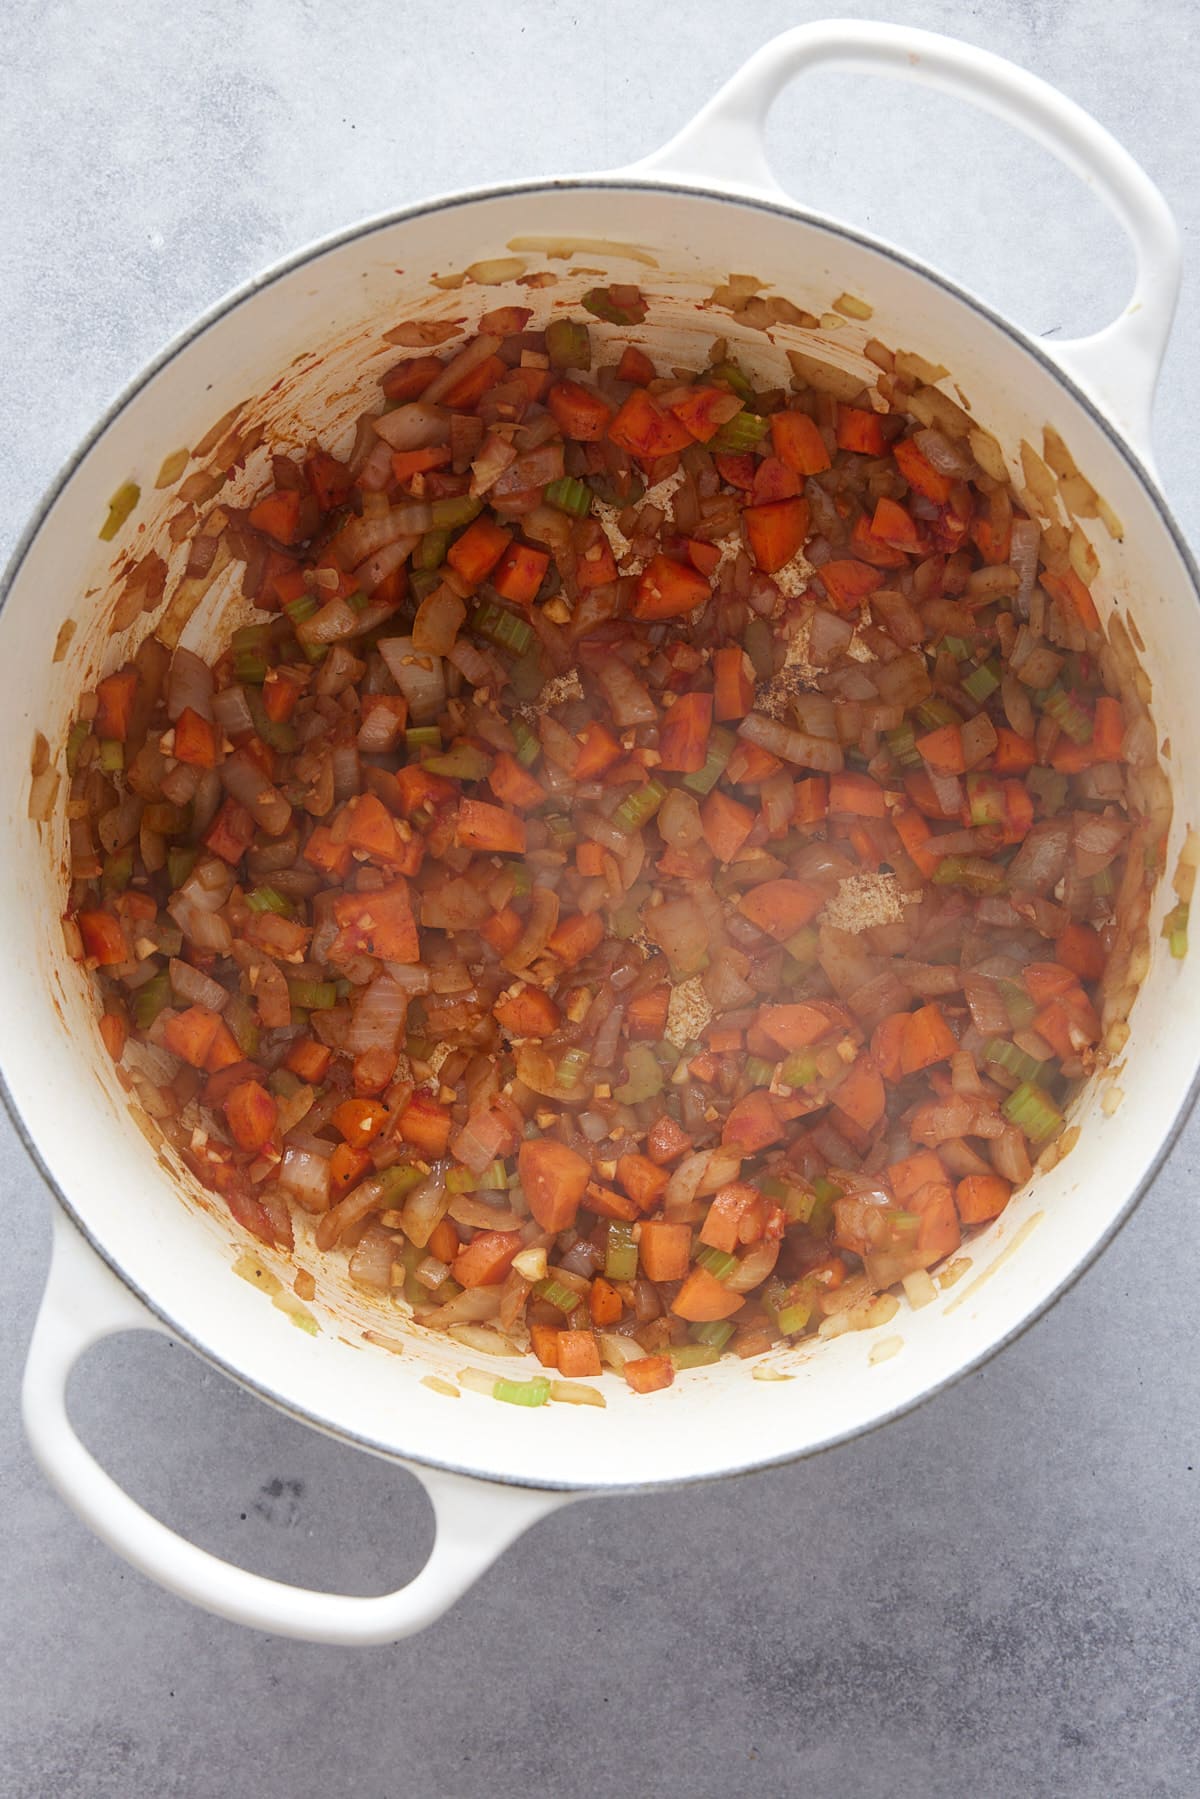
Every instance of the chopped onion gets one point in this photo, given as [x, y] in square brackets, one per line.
[484, 346]
[628, 698]
[304, 1173]
[245, 780]
[415, 426]
[792, 746]
[419, 678]
[195, 988]
[190, 684]
[378, 1018]
[231, 709]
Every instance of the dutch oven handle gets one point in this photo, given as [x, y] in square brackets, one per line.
[476, 1520]
[724, 144]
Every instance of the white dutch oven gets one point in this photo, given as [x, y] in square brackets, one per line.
[131, 1253]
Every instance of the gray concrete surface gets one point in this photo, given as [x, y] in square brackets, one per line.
[997, 1595]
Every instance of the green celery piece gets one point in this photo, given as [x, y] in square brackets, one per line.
[119, 508]
[621, 1255]
[728, 374]
[269, 899]
[118, 871]
[1031, 1109]
[301, 609]
[528, 747]
[800, 1069]
[504, 629]
[455, 510]
[639, 807]
[793, 1318]
[719, 1263]
[1072, 719]
[569, 495]
[571, 1069]
[112, 755]
[462, 762]
[523, 1392]
[1014, 1061]
[717, 1334]
[423, 737]
[720, 748]
[935, 712]
[314, 996]
[981, 682]
[971, 872]
[742, 432]
[1017, 1004]
[599, 300]
[1175, 930]
[78, 735]
[568, 344]
[150, 1000]
[757, 1072]
[522, 879]
[430, 553]
[643, 1076]
[555, 1293]
[693, 1355]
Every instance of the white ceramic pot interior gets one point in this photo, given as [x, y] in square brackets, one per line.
[305, 351]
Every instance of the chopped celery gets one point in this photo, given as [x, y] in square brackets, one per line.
[728, 374]
[563, 835]
[958, 647]
[643, 1076]
[757, 1072]
[571, 1069]
[555, 1293]
[742, 432]
[523, 1392]
[79, 733]
[119, 508]
[522, 879]
[1017, 1004]
[455, 510]
[1031, 1109]
[284, 1084]
[112, 755]
[568, 344]
[279, 736]
[793, 1318]
[1175, 929]
[971, 872]
[599, 300]
[357, 602]
[569, 495]
[430, 553]
[504, 629]
[800, 1069]
[423, 737]
[1014, 1061]
[180, 863]
[527, 675]
[717, 1334]
[118, 871]
[719, 1263]
[981, 682]
[422, 582]
[149, 1000]
[902, 742]
[1072, 719]
[720, 748]
[250, 637]
[694, 1355]
[528, 748]
[639, 807]
[269, 899]
[463, 1180]
[802, 946]
[827, 1190]
[463, 762]
[1104, 884]
[314, 996]
[935, 712]
[620, 1255]
[251, 666]
[985, 796]
[398, 1180]
[301, 609]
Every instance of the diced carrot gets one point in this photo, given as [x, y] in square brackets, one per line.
[513, 785]
[914, 1172]
[723, 1221]
[483, 827]
[189, 1034]
[474, 383]
[114, 704]
[861, 1096]
[103, 939]
[443, 1241]
[797, 1026]
[668, 589]
[726, 824]
[942, 750]
[665, 1250]
[894, 526]
[224, 1051]
[373, 1070]
[346, 1168]
[797, 441]
[650, 1373]
[475, 554]
[407, 463]
[703, 1299]
[733, 684]
[781, 908]
[486, 1259]
[606, 1202]
[520, 572]
[1013, 755]
[195, 740]
[554, 1179]
[502, 930]
[749, 764]
[330, 480]
[406, 380]
[887, 1045]
[308, 1059]
[283, 580]
[589, 859]
[927, 1039]
[543, 1340]
[529, 1013]
[1108, 730]
[684, 733]
[324, 853]
[635, 366]
[857, 794]
[810, 801]
[576, 937]
[646, 429]
[250, 1112]
[367, 825]
[738, 470]
[859, 430]
[704, 557]
[995, 547]
[377, 924]
[754, 1123]
[598, 750]
[848, 583]
[231, 832]
[114, 1031]
[1018, 811]
[704, 410]
[642, 1180]
[920, 473]
[426, 1125]
[384, 716]
[1079, 948]
[578, 1355]
[980, 1197]
[604, 1303]
[281, 692]
[724, 1039]
[776, 532]
[666, 1141]
[1044, 981]
[579, 411]
[417, 788]
[359, 1120]
[939, 1231]
[1072, 593]
[914, 834]
[277, 515]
